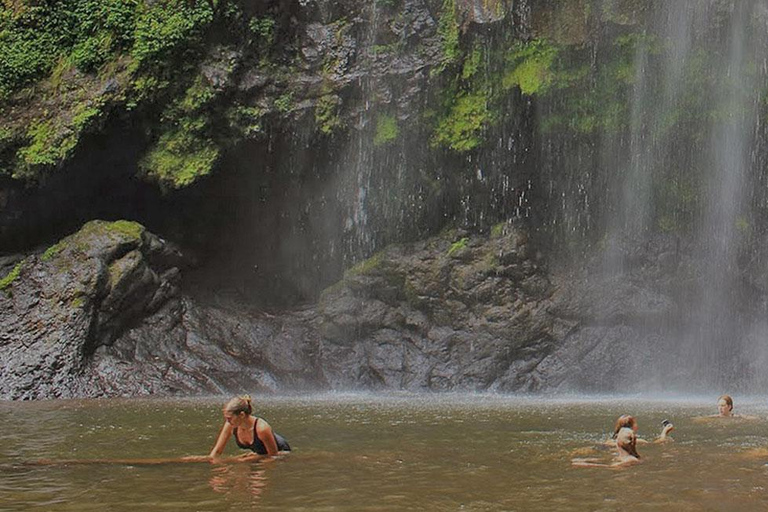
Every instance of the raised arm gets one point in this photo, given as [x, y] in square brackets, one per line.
[264, 431]
[664, 436]
[221, 441]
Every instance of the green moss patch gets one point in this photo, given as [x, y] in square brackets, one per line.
[52, 251]
[461, 130]
[387, 130]
[448, 30]
[327, 114]
[11, 277]
[531, 67]
[180, 158]
[366, 266]
[127, 228]
[458, 245]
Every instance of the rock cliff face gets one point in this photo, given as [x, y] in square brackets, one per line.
[442, 315]
[101, 314]
[468, 155]
[325, 128]
[59, 307]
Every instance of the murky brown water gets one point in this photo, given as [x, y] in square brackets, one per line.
[361, 452]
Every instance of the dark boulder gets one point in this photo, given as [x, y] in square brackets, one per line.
[58, 307]
[450, 313]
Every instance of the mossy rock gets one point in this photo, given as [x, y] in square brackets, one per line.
[93, 239]
[12, 276]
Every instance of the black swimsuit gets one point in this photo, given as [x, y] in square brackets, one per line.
[258, 446]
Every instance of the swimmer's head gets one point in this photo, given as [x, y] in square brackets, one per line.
[239, 404]
[626, 440]
[725, 405]
[624, 421]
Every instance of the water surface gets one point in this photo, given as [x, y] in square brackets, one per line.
[375, 452]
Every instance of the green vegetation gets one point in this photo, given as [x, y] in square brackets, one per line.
[245, 121]
[472, 63]
[179, 158]
[48, 145]
[387, 130]
[52, 251]
[457, 246]
[11, 277]
[531, 67]
[184, 152]
[126, 228]
[35, 36]
[327, 114]
[448, 30]
[61, 53]
[78, 302]
[366, 266]
[668, 224]
[162, 28]
[461, 130]
[743, 226]
[677, 200]
[264, 29]
[284, 103]
[497, 231]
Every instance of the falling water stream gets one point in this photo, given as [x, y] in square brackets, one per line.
[681, 166]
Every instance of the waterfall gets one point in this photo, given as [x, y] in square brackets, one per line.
[685, 167]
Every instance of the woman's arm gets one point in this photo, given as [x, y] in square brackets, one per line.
[221, 441]
[664, 436]
[264, 431]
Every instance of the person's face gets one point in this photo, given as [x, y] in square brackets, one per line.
[723, 408]
[234, 419]
[635, 426]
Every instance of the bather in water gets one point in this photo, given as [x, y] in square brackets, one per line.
[626, 446]
[629, 422]
[725, 410]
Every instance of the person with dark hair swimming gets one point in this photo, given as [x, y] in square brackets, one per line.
[250, 432]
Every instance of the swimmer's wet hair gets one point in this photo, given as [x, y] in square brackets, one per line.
[624, 421]
[627, 440]
[239, 404]
[728, 400]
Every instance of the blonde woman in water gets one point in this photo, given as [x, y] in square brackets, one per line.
[250, 432]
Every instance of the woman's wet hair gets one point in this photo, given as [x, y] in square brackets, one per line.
[624, 421]
[728, 401]
[239, 404]
[627, 441]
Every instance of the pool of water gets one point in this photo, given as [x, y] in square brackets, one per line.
[382, 452]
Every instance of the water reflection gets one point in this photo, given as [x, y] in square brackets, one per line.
[238, 480]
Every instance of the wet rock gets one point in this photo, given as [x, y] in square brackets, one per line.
[103, 313]
[80, 294]
[460, 323]
[219, 66]
[186, 348]
[483, 12]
